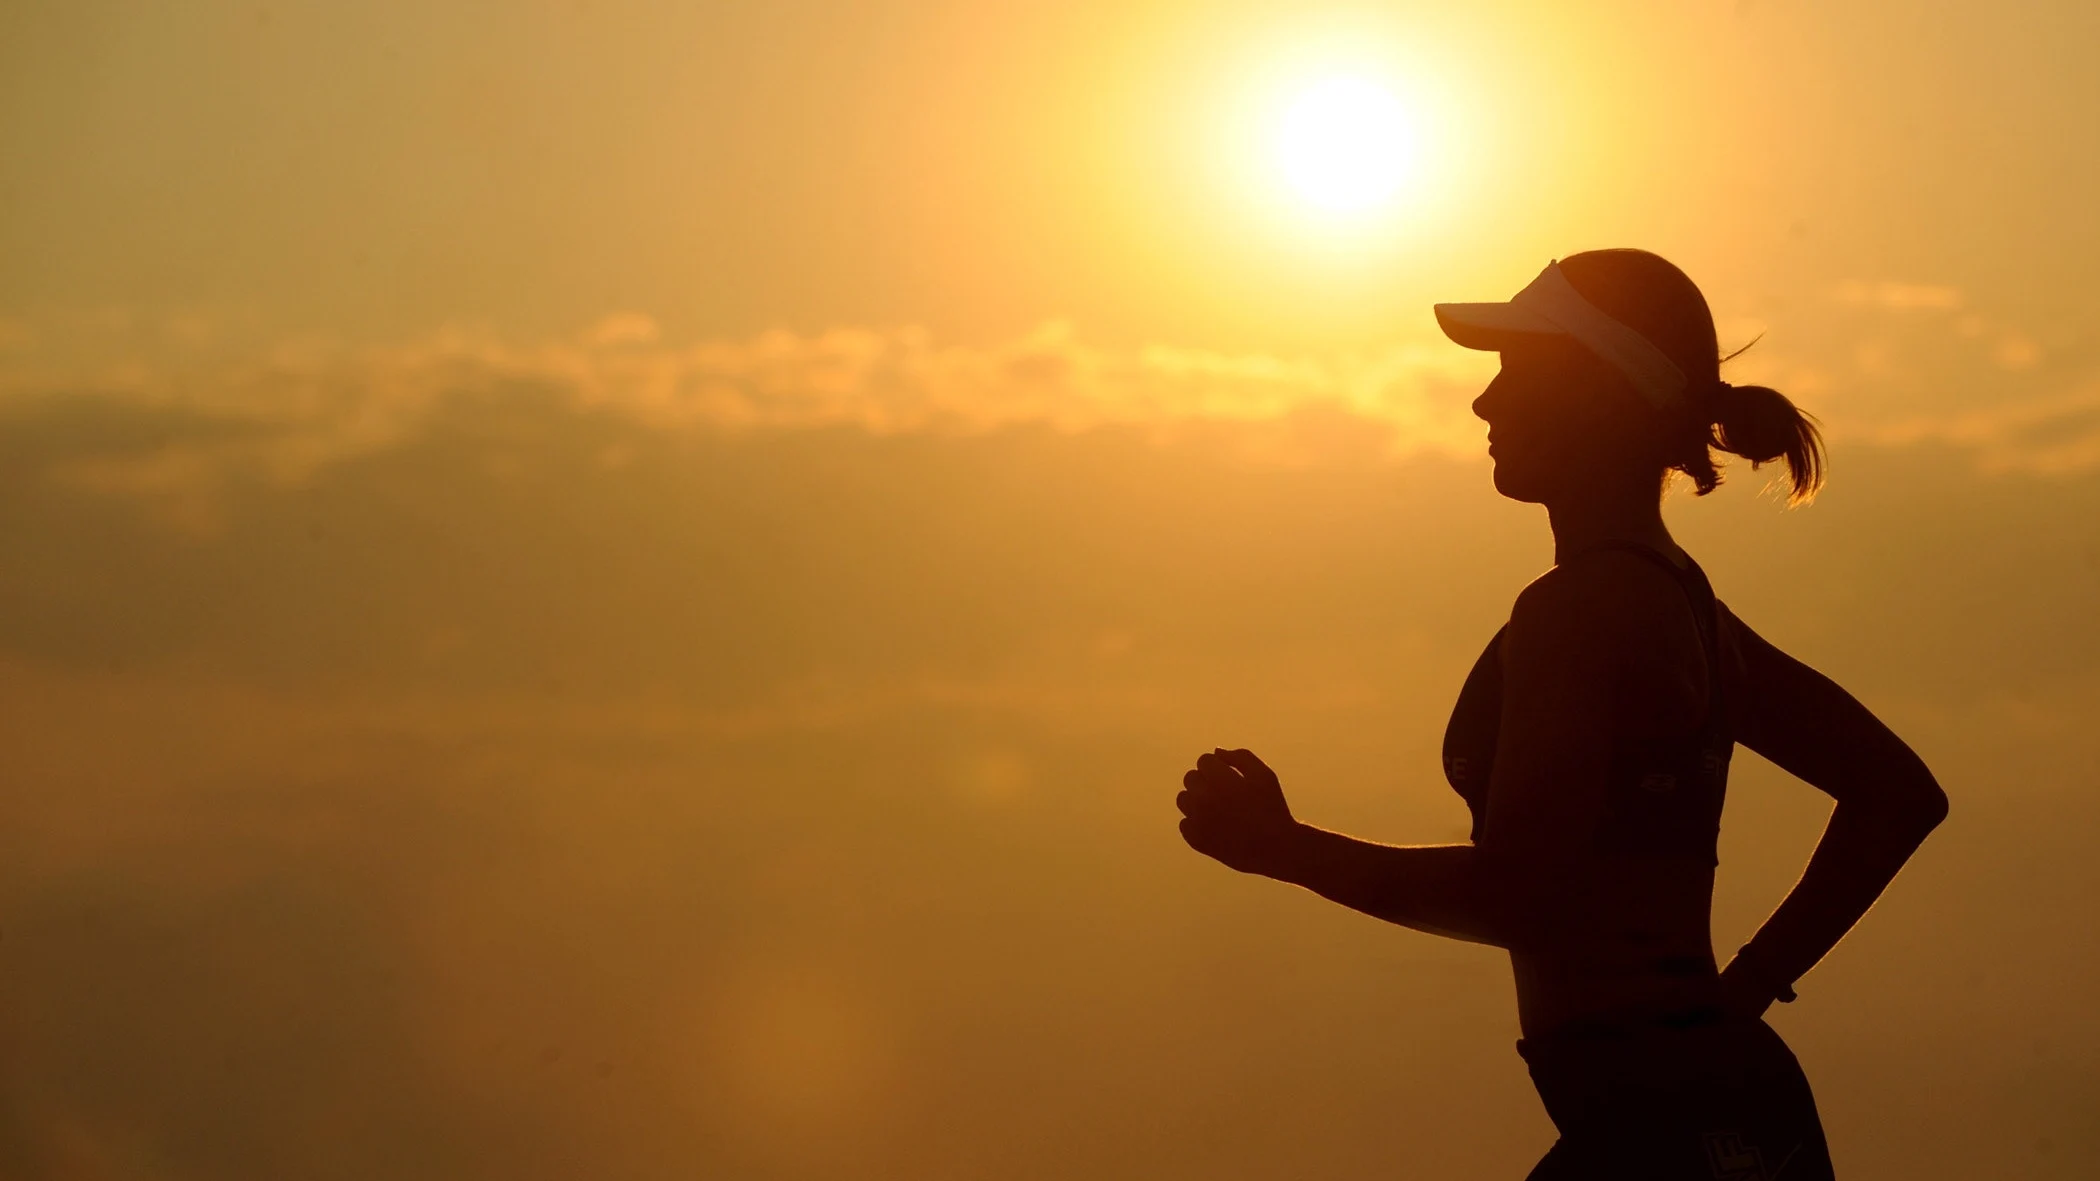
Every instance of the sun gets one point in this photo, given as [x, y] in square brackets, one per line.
[1346, 144]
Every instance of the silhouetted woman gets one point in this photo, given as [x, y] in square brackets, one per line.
[1591, 744]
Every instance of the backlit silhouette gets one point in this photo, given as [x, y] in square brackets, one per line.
[1591, 743]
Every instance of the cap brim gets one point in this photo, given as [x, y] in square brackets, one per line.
[1490, 326]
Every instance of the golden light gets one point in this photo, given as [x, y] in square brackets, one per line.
[1346, 144]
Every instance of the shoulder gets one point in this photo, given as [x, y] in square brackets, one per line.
[1607, 599]
[1613, 629]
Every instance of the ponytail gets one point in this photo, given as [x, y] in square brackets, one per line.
[1761, 425]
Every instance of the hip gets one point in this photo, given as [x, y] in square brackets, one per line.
[1693, 1095]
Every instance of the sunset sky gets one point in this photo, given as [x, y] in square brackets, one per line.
[622, 588]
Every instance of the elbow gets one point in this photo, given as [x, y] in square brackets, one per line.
[1918, 805]
[1931, 807]
[1903, 802]
[1924, 801]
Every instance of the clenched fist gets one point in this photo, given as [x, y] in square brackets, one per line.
[1233, 809]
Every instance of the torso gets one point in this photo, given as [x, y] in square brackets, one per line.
[1638, 946]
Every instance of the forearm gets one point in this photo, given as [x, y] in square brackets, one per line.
[1440, 889]
[1860, 853]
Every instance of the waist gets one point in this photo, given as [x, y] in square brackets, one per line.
[1591, 1035]
[1612, 995]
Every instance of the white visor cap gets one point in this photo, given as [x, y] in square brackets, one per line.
[1551, 306]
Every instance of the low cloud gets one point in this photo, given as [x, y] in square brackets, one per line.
[1900, 364]
[2047, 436]
[1893, 363]
[285, 413]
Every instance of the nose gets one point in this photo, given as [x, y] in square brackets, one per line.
[1490, 401]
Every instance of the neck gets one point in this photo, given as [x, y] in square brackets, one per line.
[1580, 524]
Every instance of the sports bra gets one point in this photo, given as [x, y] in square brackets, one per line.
[1664, 797]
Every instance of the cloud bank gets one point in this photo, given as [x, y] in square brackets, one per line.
[300, 406]
[1884, 363]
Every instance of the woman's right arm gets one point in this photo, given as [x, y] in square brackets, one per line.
[1233, 810]
[1887, 801]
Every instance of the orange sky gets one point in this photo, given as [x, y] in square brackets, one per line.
[621, 588]
[378, 170]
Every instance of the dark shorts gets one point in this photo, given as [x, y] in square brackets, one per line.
[1717, 1101]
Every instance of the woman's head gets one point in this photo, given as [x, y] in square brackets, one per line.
[1563, 420]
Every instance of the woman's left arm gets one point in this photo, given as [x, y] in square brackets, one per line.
[1887, 802]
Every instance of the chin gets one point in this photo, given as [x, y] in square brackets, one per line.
[1510, 482]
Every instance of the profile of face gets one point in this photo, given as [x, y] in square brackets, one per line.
[1562, 424]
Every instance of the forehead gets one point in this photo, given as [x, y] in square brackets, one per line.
[1535, 350]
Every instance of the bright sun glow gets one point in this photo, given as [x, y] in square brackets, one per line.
[1346, 144]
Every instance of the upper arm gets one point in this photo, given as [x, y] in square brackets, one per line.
[1813, 729]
